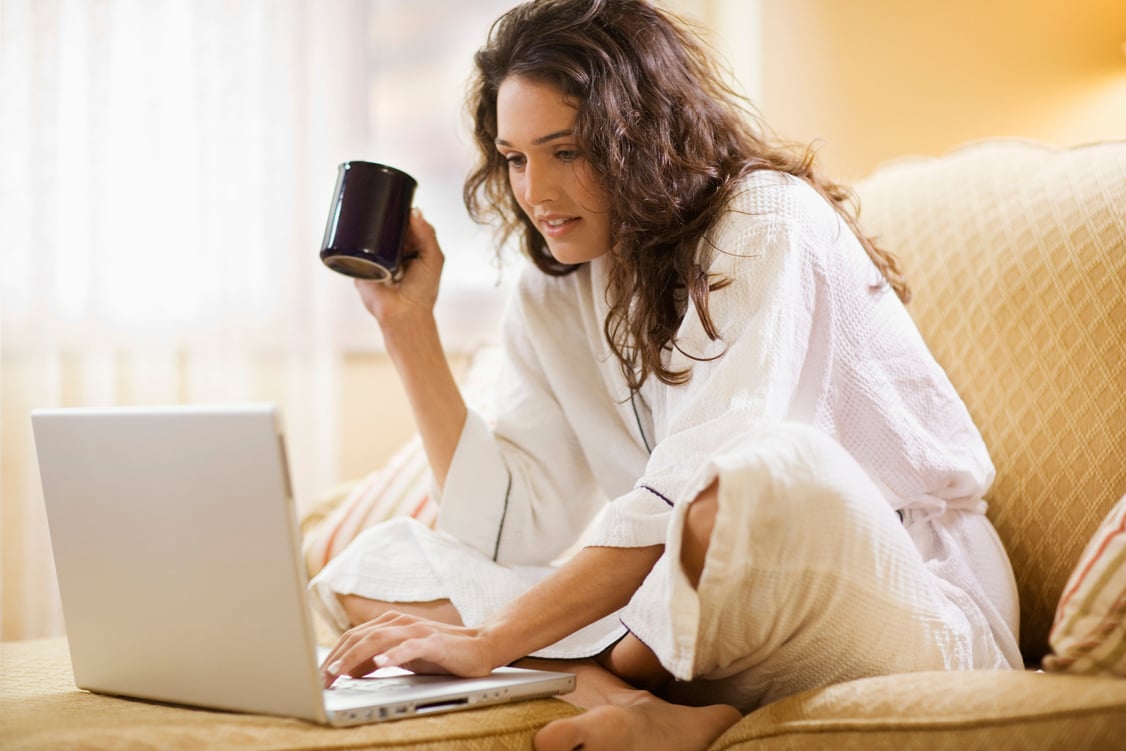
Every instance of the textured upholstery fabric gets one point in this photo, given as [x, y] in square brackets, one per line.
[41, 709]
[1016, 253]
[944, 710]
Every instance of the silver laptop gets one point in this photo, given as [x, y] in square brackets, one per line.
[178, 557]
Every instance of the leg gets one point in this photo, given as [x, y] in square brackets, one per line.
[620, 687]
[361, 609]
[630, 659]
[698, 525]
[810, 580]
[636, 664]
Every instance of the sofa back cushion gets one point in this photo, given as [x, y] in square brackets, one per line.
[1016, 255]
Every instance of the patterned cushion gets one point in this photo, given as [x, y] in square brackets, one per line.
[400, 488]
[40, 709]
[999, 710]
[1016, 253]
[1089, 635]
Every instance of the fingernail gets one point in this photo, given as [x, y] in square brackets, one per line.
[380, 660]
[334, 668]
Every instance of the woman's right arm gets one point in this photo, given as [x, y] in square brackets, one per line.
[405, 313]
[521, 490]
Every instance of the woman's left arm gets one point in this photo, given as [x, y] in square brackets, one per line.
[594, 583]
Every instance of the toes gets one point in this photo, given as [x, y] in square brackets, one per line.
[561, 735]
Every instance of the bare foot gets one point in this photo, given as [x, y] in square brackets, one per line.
[644, 724]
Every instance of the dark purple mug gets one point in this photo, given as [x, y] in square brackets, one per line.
[367, 222]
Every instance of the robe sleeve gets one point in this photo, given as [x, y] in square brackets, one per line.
[522, 491]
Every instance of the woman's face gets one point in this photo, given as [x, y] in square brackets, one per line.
[548, 174]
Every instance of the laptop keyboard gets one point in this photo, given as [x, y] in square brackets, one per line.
[367, 686]
[376, 684]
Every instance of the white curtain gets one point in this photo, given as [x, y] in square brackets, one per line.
[165, 172]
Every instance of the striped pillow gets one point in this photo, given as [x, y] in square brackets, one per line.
[1089, 633]
[401, 488]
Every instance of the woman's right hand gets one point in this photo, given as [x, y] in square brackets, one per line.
[417, 644]
[416, 291]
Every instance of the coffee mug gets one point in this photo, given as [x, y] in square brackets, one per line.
[367, 222]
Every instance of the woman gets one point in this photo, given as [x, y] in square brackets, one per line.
[708, 353]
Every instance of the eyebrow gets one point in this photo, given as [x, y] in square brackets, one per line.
[541, 140]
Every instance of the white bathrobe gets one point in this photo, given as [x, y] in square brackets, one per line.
[819, 375]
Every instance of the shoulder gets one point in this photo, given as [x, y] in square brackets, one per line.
[771, 212]
[767, 200]
[768, 211]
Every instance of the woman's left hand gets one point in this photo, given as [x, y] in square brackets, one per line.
[417, 644]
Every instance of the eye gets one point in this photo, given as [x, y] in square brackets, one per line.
[567, 155]
[515, 161]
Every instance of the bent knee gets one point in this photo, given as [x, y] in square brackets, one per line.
[797, 472]
[699, 521]
[632, 661]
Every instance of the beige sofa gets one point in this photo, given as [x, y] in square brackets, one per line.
[1017, 256]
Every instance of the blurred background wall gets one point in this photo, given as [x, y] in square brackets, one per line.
[865, 80]
[870, 80]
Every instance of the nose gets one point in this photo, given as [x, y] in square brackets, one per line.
[539, 183]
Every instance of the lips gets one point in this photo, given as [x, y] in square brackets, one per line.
[556, 225]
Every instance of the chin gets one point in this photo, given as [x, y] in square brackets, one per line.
[573, 256]
[564, 258]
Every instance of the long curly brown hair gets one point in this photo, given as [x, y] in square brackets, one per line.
[669, 142]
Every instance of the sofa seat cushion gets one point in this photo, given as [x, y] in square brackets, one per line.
[936, 710]
[40, 708]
